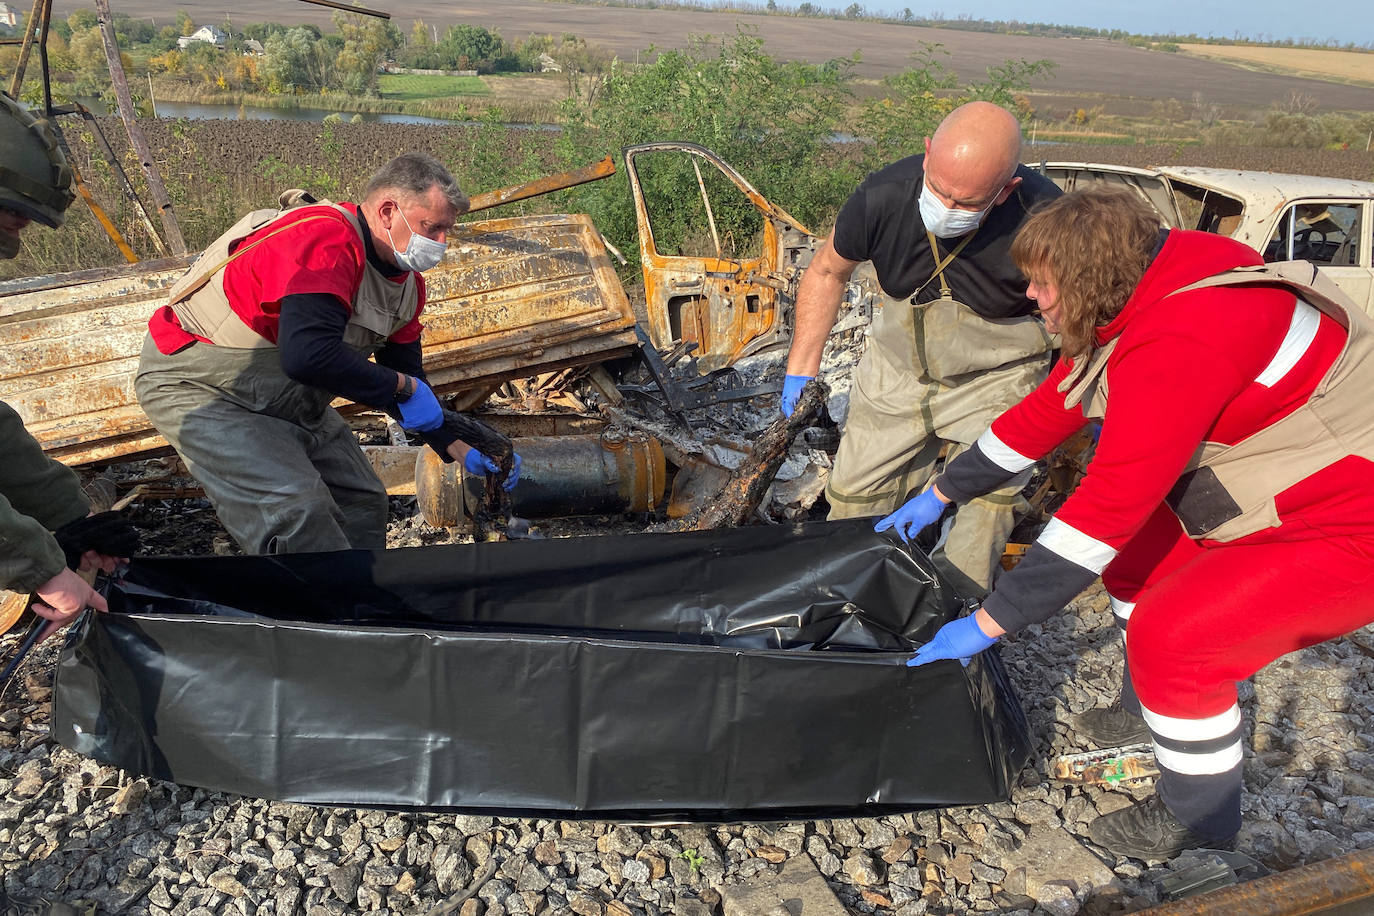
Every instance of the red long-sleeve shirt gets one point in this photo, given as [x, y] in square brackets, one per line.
[1216, 364]
[322, 256]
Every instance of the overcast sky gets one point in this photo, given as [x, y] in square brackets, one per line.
[1341, 20]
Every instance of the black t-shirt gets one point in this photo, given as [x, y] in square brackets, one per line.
[881, 222]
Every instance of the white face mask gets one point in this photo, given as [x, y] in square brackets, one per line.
[421, 253]
[947, 222]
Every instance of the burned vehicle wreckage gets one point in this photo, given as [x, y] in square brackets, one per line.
[531, 676]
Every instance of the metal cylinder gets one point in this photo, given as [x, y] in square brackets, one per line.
[395, 466]
[559, 476]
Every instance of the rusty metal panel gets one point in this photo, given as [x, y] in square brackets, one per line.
[69, 348]
[513, 298]
[548, 184]
[520, 296]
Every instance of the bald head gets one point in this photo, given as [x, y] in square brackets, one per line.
[971, 160]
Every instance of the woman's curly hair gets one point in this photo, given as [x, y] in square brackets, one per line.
[1093, 245]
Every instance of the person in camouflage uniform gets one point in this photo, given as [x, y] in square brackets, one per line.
[47, 530]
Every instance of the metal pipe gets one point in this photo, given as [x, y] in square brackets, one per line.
[124, 183]
[1343, 885]
[563, 180]
[706, 201]
[106, 223]
[140, 143]
[560, 476]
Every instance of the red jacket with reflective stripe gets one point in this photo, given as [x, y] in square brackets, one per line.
[1184, 370]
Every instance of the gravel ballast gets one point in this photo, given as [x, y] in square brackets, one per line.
[74, 831]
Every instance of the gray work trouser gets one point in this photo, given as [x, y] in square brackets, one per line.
[899, 419]
[283, 469]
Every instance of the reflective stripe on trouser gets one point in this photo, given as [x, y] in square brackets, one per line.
[283, 469]
[1209, 617]
[1200, 772]
[892, 437]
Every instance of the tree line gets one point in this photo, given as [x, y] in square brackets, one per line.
[276, 58]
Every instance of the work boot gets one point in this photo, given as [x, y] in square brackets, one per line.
[1111, 726]
[1148, 830]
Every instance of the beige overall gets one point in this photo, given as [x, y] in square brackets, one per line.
[283, 469]
[1228, 491]
[933, 374]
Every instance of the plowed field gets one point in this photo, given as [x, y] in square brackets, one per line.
[1101, 68]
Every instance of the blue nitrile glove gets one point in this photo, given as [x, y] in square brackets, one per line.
[792, 387]
[914, 516]
[961, 639]
[421, 411]
[477, 463]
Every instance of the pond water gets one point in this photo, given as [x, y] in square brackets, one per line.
[203, 111]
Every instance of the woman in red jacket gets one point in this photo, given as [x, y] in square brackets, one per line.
[1227, 506]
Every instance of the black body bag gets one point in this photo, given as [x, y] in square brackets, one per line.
[748, 673]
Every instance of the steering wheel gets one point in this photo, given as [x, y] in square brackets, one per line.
[1308, 242]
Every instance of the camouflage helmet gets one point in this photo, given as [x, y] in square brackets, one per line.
[35, 180]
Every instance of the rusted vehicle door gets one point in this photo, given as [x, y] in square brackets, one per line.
[1332, 233]
[721, 262]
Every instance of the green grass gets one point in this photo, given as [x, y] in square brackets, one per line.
[411, 87]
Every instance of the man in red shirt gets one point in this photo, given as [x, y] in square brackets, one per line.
[277, 318]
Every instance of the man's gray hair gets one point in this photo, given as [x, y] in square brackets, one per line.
[415, 174]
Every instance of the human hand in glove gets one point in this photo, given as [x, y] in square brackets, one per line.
[915, 515]
[961, 639]
[98, 541]
[477, 463]
[420, 412]
[792, 386]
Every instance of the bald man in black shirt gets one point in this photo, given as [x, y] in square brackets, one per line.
[957, 341]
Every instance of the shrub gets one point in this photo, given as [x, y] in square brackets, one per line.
[775, 119]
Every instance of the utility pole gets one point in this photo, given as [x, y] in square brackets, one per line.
[136, 138]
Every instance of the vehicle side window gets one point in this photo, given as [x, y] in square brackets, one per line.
[1323, 233]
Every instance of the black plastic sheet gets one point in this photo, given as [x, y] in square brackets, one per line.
[744, 673]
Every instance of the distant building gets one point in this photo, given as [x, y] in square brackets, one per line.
[548, 65]
[8, 15]
[252, 46]
[206, 33]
